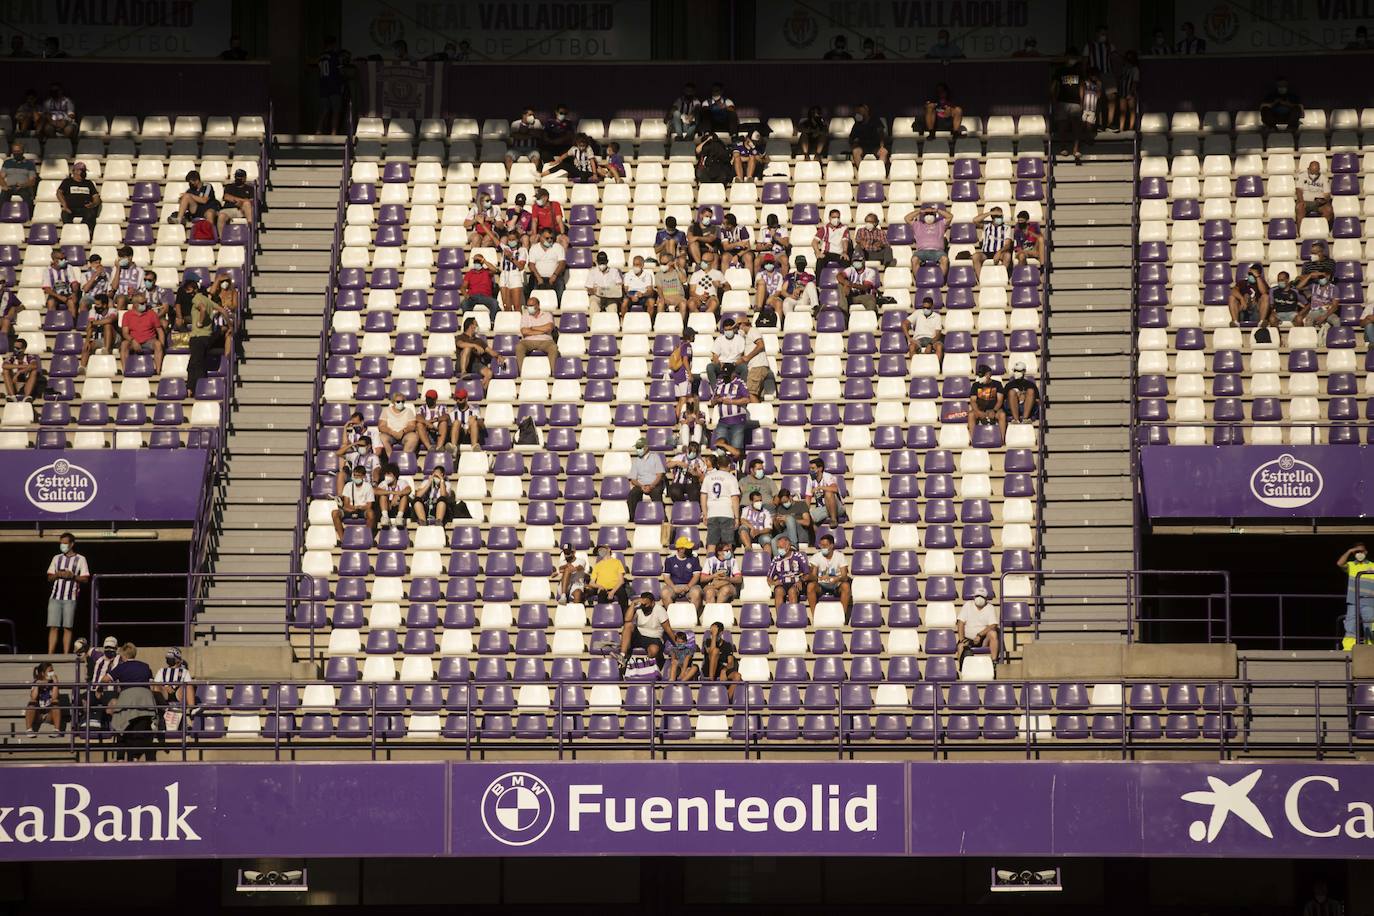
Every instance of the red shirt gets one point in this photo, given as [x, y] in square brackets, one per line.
[479, 282]
[547, 217]
[142, 327]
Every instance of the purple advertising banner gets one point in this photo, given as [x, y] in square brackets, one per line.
[1258, 481]
[116, 484]
[680, 809]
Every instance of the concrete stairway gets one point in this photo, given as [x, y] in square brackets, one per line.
[1288, 715]
[262, 490]
[1088, 512]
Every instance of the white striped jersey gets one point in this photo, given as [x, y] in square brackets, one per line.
[67, 589]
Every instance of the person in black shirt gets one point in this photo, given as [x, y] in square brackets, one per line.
[79, 199]
[1281, 106]
[867, 136]
[839, 49]
[235, 50]
[239, 197]
[1021, 395]
[812, 134]
[987, 402]
[1067, 96]
[197, 202]
[178, 315]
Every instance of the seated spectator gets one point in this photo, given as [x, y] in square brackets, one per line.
[514, 257]
[613, 169]
[859, 286]
[467, 422]
[681, 654]
[868, 136]
[646, 622]
[799, 289]
[978, 626]
[129, 279]
[196, 202]
[924, 330]
[722, 658]
[100, 331]
[432, 501]
[929, 230]
[714, 160]
[393, 497]
[547, 265]
[526, 134]
[356, 502]
[473, 350]
[870, 242]
[680, 369]
[731, 397]
[536, 334]
[648, 476]
[59, 114]
[559, 131]
[142, 333]
[28, 117]
[681, 579]
[1028, 239]
[790, 518]
[705, 287]
[755, 527]
[1281, 108]
[1324, 304]
[693, 429]
[358, 456]
[547, 215]
[670, 241]
[717, 112]
[943, 48]
[240, 197]
[432, 422]
[987, 402]
[520, 220]
[22, 371]
[996, 242]
[734, 245]
[1288, 306]
[78, 198]
[45, 702]
[397, 425]
[18, 176]
[829, 576]
[757, 481]
[62, 283]
[176, 315]
[832, 242]
[773, 239]
[95, 280]
[485, 222]
[941, 112]
[787, 574]
[605, 286]
[720, 503]
[1249, 299]
[1021, 395]
[702, 235]
[768, 291]
[686, 469]
[813, 133]
[748, 159]
[1090, 116]
[1190, 43]
[672, 284]
[10, 307]
[1366, 322]
[479, 286]
[224, 300]
[578, 161]
[639, 290]
[871, 51]
[682, 117]
[570, 576]
[821, 493]
[1313, 193]
[839, 49]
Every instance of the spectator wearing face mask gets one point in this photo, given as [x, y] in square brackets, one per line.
[357, 457]
[748, 159]
[1021, 395]
[799, 289]
[670, 241]
[1249, 298]
[682, 115]
[680, 370]
[1288, 305]
[829, 578]
[871, 51]
[755, 525]
[758, 377]
[717, 112]
[731, 398]
[713, 160]
[22, 371]
[768, 290]
[548, 267]
[479, 286]
[773, 239]
[605, 286]
[686, 470]
[978, 626]
[868, 136]
[832, 242]
[28, 117]
[128, 278]
[787, 574]
[59, 114]
[397, 425]
[570, 576]
[558, 134]
[547, 216]
[172, 689]
[996, 242]
[1313, 193]
[68, 572]
[357, 502]
[821, 493]
[393, 497]
[924, 330]
[579, 161]
[681, 578]
[613, 169]
[1281, 107]
[648, 476]
[870, 242]
[520, 220]
[929, 227]
[62, 284]
[639, 290]
[431, 500]
[671, 283]
[1359, 594]
[705, 287]
[735, 244]
[703, 235]
[536, 334]
[468, 427]
[44, 704]
[485, 221]
[757, 481]
[526, 133]
[607, 581]
[142, 332]
[18, 176]
[432, 422]
[859, 286]
[78, 198]
[813, 133]
[1028, 239]
[721, 576]
[941, 113]
[514, 257]
[790, 518]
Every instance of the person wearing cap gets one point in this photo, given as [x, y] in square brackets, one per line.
[924, 330]
[978, 626]
[98, 693]
[78, 198]
[67, 572]
[172, 688]
[432, 422]
[605, 286]
[467, 422]
[670, 241]
[479, 286]
[647, 476]
[238, 195]
[639, 290]
[520, 220]
[987, 402]
[1021, 395]
[569, 575]
[536, 331]
[681, 579]
[196, 202]
[799, 289]
[18, 176]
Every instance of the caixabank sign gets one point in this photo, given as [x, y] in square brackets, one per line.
[1261, 810]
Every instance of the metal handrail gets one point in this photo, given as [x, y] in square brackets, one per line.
[1133, 445]
[196, 583]
[1042, 427]
[1134, 594]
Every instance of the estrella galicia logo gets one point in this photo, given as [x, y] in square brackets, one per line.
[517, 808]
[1286, 483]
[61, 487]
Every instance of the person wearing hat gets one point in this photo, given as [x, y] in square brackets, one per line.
[196, 202]
[978, 626]
[172, 690]
[467, 422]
[1021, 395]
[99, 694]
[432, 422]
[238, 195]
[680, 371]
[648, 476]
[681, 579]
[520, 220]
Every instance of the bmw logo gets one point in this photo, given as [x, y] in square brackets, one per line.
[517, 808]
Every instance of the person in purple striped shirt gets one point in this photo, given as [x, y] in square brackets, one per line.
[787, 574]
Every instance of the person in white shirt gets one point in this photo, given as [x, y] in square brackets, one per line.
[1313, 193]
[858, 286]
[393, 497]
[704, 287]
[639, 289]
[356, 502]
[924, 330]
[727, 349]
[832, 242]
[720, 504]
[605, 286]
[722, 576]
[829, 577]
[646, 621]
[570, 576]
[977, 626]
[62, 283]
[548, 266]
[755, 357]
[397, 425]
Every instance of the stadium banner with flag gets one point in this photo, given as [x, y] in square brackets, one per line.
[1254, 809]
[907, 29]
[502, 31]
[127, 485]
[1259, 26]
[1258, 481]
[393, 89]
[99, 28]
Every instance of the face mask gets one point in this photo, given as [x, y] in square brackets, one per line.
[706, 220]
[787, 504]
[979, 601]
[1322, 281]
[858, 117]
[149, 284]
[758, 474]
[817, 472]
[65, 548]
[928, 218]
[398, 403]
[357, 481]
[638, 270]
[857, 265]
[1251, 279]
[997, 220]
[224, 284]
[872, 224]
[1313, 174]
[757, 505]
[529, 119]
[61, 262]
[926, 312]
[1281, 284]
[834, 220]
[390, 479]
[123, 262]
[602, 265]
[529, 310]
[1020, 373]
[770, 267]
[141, 307]
[641, 452]
[547, 243]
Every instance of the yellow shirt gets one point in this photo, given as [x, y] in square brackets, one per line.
[609, 574]
[1354, 568]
